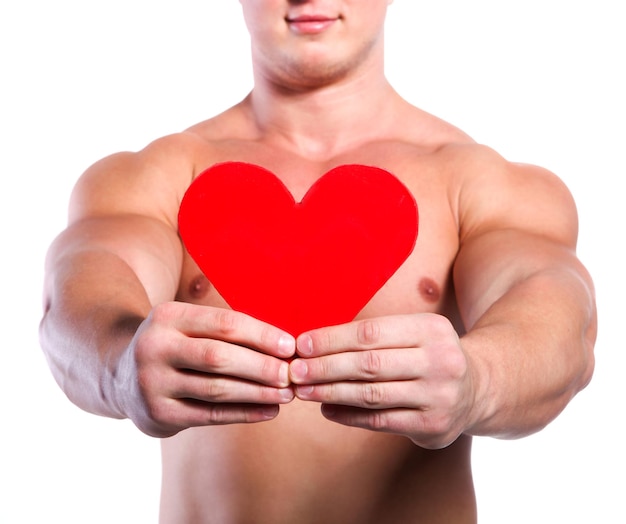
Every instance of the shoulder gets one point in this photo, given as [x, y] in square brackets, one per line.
[154, 179]
[490, 192]
[149, 181]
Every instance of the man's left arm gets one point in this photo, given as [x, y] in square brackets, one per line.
[529, 311]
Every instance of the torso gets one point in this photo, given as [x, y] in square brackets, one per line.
[300, 467]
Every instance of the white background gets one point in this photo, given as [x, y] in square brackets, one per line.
[541, 81]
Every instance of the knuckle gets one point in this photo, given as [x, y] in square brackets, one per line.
[221, 414]
[144, 380]
[212, 358]
[321, 367]
[149, 355]
[267, 395]
[439, 323]
[373, 395]
[143, 348]
[163, 313]
[152, 341]
[216, 414]
[368, 332]
[265, 337]
[146, 340]
[225, 321]
[437, 423]
[215, 390]
[379, 421]
[370, 364]
[248, 416]
[269, 369]
[457, 364]
[321, 341]
[447, 397]
[159, 412]
[155, 407]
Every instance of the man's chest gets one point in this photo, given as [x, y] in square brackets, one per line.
[302, 238]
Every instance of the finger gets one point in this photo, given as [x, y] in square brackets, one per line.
[201, 414]
[174, 415]
[367, 395]
[227, 325]
[424, 429]
[223, 358]
[396, 420]
[368, 365]
[218, 389]
[399, 331]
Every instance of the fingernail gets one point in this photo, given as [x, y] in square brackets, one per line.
[305, 390]
[287, 394]
[328, 410]
[269, 412]
[283, 374]
[286, 345]
[305, 345]
[298, 369]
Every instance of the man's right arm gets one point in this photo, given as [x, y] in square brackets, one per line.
[94, 302]
[118, 344]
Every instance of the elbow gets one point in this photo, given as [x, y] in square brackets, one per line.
[59, 366]
[588, 353]
[588, 336]
[589, 333]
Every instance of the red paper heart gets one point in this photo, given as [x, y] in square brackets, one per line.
[302, 265]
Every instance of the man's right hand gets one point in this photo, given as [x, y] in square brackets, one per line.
[191, 365]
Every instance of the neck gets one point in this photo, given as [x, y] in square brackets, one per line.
[321, 122]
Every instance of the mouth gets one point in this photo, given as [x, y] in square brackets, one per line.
[310, 24]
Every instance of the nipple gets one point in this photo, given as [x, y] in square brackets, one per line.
[199, 286]
[429, 290]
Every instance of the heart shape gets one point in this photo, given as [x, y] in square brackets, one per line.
[298, 266]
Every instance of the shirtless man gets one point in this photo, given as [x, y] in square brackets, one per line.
[486, 329]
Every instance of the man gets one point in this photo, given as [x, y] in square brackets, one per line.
[486, 329]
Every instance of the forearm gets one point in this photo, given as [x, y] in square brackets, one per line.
[103, 275]
[531, 352]
[94, 304]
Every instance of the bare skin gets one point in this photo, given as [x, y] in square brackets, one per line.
[487, 328]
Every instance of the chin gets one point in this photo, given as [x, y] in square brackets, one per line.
[314, 73]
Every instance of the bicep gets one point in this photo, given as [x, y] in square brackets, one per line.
[517, 225]
[117, 249]
[123, 210]
[493, 264]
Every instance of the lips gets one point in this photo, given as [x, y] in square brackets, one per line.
[311, 24]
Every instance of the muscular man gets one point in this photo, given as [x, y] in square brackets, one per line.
[486, 329]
